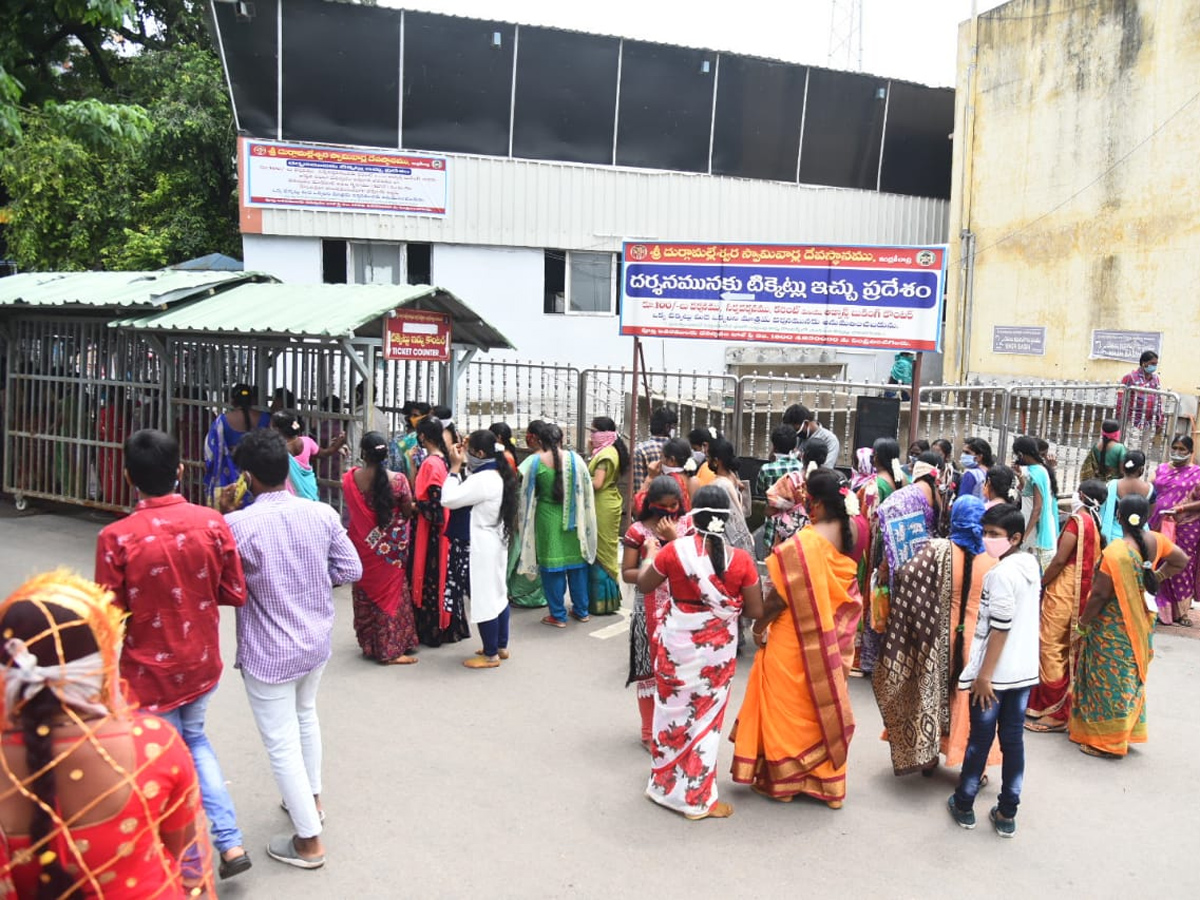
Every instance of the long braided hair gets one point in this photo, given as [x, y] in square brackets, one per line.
[1132, 513]
[710, 505]
[551, 437]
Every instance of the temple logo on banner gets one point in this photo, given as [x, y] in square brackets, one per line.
[886, 298]
[413, 334]
[296, 175]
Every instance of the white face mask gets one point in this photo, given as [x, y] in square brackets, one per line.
[1076, 504]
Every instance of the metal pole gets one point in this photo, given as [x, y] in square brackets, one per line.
[633, 415]
[914, 407]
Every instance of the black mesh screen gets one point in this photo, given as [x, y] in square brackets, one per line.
[250, 55]
[666, 107]
[331, 101]
[843, 124]
[457, 84]
[917, 146]
[566, 96]
[759, 105]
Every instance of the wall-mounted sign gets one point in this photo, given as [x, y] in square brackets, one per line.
[887, 298]
[1125, 345]
[303, 176]
[1025, 340]
[414, 334]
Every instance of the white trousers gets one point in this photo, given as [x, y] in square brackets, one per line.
[286, 715]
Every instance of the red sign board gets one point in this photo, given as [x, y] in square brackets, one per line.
[413, 334]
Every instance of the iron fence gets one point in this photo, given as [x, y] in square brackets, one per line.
[76, 388]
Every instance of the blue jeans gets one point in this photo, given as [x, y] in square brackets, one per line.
[188, 720]
[494, 634]
[554, 586]
[1007, 716]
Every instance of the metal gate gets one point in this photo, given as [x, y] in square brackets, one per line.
[700, 400]
[75, 388]
[518, 393]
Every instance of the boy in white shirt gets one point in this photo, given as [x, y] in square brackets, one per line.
[1002, 670]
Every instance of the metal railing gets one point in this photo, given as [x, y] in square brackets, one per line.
[76, 388]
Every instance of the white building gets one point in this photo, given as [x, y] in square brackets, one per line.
[557, 146]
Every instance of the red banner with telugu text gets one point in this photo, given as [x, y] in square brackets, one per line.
[414, 334]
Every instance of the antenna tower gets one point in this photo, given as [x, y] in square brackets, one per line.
[845, 35]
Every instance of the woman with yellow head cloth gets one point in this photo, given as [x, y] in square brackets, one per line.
[95, 800]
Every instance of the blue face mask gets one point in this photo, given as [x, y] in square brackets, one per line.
[968, 461]
[1151, 369]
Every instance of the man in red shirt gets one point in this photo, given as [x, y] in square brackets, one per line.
[171, 564]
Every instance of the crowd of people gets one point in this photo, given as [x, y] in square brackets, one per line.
[979, 601]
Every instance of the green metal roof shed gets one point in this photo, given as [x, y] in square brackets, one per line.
[316, 311]
[104, 291]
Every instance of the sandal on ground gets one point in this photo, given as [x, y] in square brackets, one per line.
[719, 810]
[648, 745]
[578, 618]
[983, 780]
[235, 865]
[1041, 727]
[930, 770]
[503, 654]
[550, 620]
[282, 847]
[404, 660]
[1099, 754]
[482, 662]
[763, 792]
[1185, 621]
[834, 804]
[320, 812]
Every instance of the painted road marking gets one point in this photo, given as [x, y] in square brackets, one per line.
[616, 628]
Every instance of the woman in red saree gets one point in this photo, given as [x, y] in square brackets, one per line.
[711, 584]
[793, 732]
[380, 505]
[440, 619]
[1066, 586]
[1108, 711]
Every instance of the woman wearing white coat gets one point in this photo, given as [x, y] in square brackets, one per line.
[492, 492]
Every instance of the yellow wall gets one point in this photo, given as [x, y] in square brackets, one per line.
[1062, 93]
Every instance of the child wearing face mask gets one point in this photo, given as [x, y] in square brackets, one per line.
[1002, 670]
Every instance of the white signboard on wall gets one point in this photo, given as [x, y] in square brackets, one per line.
[309, 177]
[1127, 346]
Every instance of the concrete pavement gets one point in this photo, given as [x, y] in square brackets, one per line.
[526, 781]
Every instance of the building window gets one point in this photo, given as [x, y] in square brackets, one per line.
[418, 263]
[579, 282]
[555, 295]
[376, 263]
[333, 262]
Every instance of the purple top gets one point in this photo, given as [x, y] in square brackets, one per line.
[293, 552]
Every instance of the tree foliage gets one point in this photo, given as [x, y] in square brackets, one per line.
[122, 154]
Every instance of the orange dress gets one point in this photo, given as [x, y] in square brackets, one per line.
[122, 856]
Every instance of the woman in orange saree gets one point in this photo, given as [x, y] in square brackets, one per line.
[793, 731]
[1109, 709]
[1066, 585]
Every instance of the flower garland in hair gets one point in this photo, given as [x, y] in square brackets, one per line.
[897, 472]
[850, 500]
[716, 522]
[690, 466]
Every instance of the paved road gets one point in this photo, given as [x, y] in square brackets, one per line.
[526, 782]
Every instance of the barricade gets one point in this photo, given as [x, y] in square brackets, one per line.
[518, 393]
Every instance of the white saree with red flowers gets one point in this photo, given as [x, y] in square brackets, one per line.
[693, 671]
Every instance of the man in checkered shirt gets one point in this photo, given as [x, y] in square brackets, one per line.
[645, 454]
[293, 553]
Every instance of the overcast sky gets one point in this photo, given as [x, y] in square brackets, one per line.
[914, 40]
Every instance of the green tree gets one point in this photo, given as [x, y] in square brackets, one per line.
[126, 159]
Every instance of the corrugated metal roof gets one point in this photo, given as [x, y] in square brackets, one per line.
[568, 206]
[317, 310]
[112, 290]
